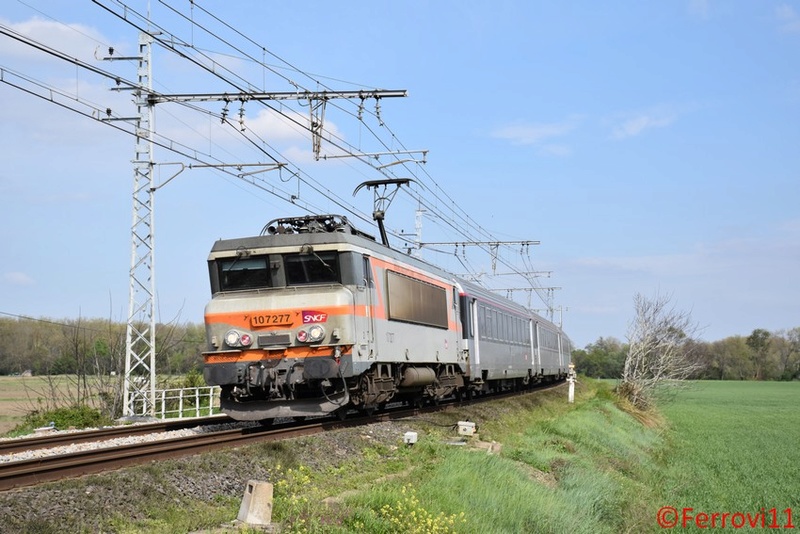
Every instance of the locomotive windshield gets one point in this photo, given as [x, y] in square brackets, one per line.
[274, 270]
[312, 268]
[248, 273]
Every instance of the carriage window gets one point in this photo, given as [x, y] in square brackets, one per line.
[313, 268]
[244, 273]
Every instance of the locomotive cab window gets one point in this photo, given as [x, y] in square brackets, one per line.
[243, 273]
[312, 268]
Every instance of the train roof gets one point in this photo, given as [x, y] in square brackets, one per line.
[336, 229]
[312, 229]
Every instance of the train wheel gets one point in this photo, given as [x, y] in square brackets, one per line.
[267, 422]
[341, 413]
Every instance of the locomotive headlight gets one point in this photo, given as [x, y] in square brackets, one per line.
[232, 338]
[316, 333]
[235, 339]
[311, 335]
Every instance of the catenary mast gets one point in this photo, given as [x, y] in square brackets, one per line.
[140, 345]
[140, 335]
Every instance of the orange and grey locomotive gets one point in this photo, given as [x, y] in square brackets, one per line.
[314, 316]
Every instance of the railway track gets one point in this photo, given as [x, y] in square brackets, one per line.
[56, 467]
[103, 434]
[50, 468]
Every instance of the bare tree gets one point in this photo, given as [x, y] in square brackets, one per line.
[659, 349]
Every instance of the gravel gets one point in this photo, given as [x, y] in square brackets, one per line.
[115, 442]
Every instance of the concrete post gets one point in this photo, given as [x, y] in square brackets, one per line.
[256, 508]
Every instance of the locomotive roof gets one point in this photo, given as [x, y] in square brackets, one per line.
[277, 234]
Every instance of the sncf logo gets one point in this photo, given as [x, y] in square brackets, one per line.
[314, 317]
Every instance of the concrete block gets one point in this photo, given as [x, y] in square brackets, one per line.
[256, 507]
[410, 438]
[466, 428]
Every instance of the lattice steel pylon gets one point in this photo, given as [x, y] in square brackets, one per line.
[140, 343]
[139, 395]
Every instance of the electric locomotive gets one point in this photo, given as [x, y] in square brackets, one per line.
[313, 316]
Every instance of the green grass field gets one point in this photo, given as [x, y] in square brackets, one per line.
[20, 395]
[733, 448]
[17, 397]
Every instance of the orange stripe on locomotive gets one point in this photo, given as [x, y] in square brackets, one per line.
[250, 320]
[256, 355]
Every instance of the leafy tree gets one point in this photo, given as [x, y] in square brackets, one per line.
[604, 358]
[731, 359]
[787, 351]
[703, 355]
[758, 342]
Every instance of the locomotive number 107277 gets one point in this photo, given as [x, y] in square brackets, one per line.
[267, 319]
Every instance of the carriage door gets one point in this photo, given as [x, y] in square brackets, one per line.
[476, 335]
[365, 320]
[537, 342]
[535, 360]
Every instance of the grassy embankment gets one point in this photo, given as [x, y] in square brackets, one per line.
[585, 467]
[588, 467]
[725, 447]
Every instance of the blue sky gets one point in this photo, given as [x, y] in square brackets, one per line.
[652, 147]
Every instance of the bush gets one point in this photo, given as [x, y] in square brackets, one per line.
[63, 418]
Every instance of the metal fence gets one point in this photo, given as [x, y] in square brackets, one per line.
[187, 402]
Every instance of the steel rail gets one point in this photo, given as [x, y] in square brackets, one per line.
[46, 441]
[51, 468]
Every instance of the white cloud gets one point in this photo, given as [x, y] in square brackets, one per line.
[303, 155]
[667, 265]
[74, 40]
[556, 150]
[788, 18]
[535, 134]
[730, 286]
[596, 310]
[18, 279]
[776, 255]
[290, 126]
[699, 8]
[637, 125]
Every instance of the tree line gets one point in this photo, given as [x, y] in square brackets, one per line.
[761, 355]
[97, 347]
[87, 347]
